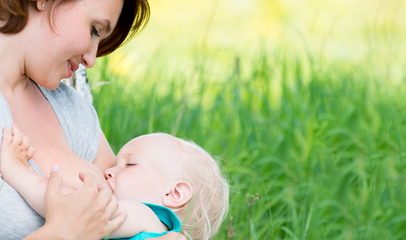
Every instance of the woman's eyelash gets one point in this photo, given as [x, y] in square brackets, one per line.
[130, 164]
[95, 32]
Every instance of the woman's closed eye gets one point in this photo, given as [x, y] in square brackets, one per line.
[95, 32]
[130, 164]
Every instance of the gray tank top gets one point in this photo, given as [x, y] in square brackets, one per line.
[80, 124]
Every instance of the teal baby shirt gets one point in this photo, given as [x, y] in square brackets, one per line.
[166, 216]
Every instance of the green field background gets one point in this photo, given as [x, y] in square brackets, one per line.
[303, 102]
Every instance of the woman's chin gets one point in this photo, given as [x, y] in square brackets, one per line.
[51, 86]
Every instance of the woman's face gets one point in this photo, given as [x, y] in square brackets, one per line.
[77, 28]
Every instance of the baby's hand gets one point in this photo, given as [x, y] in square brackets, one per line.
[15, 148]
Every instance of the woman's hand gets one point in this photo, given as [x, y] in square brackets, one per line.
[171, 236]
[83, 214]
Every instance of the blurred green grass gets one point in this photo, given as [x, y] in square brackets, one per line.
[327, 160]
[318, 135]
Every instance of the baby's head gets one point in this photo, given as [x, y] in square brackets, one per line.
[161, 169]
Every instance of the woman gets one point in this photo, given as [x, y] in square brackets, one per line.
[41, 42]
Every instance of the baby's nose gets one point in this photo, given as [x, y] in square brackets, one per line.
[110, 173]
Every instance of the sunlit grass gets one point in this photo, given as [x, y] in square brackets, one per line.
[326, 155]
[305, 106]
[346, 30]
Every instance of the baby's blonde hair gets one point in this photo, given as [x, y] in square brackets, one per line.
[207, 209]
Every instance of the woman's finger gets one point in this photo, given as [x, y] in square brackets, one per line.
[117, 221]
[112, 207]
[88, 179]
[54, 182]
[105, 193]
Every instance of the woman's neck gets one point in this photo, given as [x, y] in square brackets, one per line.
[12, 72]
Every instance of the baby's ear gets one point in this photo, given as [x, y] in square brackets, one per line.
[178, 195]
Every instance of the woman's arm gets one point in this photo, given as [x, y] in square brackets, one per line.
[105, 156]
[140, 219]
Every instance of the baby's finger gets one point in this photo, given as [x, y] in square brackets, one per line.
[17, 135]
[7, 138]
[30, 152]
[26, 143]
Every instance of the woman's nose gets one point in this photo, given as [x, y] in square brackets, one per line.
[110, 173]
[89, 59]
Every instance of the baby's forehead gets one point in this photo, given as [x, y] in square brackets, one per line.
[157, 141]
[162, 137]
[163, 146]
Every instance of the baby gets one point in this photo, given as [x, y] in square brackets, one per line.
[157, 178]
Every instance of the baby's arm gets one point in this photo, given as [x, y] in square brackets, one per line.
[140, 219]
[15, 153]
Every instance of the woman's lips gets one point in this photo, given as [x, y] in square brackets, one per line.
[73, 66]
[69, 69]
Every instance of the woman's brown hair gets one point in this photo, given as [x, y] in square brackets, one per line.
[133, 18]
